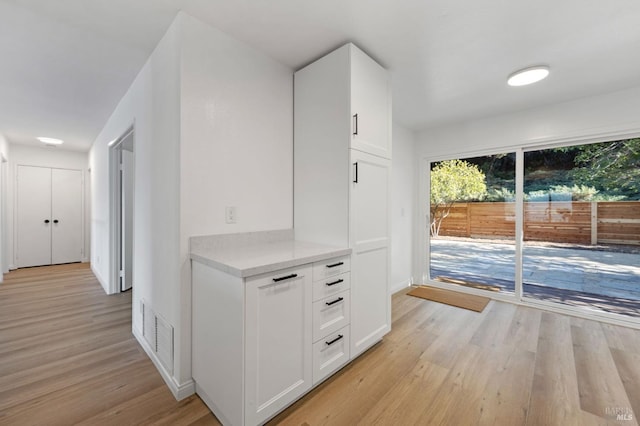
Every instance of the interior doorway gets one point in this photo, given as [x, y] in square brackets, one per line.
[122, 165]
[4, 247]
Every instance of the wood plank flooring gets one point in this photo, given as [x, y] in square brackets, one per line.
[508, 365]
[67, 356]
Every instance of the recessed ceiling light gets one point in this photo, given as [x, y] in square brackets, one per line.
[50, 141]
[528, 75]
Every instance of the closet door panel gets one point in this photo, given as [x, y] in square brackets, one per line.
[33, 245]
[66, 215]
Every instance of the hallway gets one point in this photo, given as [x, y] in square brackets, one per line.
[67, 356]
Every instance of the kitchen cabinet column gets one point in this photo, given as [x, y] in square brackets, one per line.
[342, 169]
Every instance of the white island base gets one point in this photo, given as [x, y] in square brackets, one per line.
[270, 321]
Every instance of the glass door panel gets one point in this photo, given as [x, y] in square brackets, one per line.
[472, 222]
[582, 226]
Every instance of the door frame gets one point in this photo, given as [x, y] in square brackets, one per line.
[4, 228]
[423, 249]
[115, 207]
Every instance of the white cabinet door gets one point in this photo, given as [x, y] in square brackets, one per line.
[370, 261]
[278, 367]
[66, 215]
[34, 216]
[370, 105]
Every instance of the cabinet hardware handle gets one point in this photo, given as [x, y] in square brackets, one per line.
[334, 283]
[340, 336]
[55, 220]
[355, 173]
[355, 124]
[46, 221]
[286, 277]
[339, 299]
[333, 265]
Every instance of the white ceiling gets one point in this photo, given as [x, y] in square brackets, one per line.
[65, 64]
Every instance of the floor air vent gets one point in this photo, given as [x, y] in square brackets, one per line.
[158, 333]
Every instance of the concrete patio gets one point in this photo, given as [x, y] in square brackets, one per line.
[603, 280]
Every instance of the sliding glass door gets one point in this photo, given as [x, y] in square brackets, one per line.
[472, 222]
[573, 239]
[582, 226]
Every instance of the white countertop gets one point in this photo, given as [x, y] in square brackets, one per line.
[248, 254]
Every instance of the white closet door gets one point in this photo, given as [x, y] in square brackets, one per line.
[34, 216]
[370, 260]
[66, 215]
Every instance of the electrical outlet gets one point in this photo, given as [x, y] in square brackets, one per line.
[231, 214]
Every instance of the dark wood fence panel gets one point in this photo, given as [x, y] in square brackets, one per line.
[558, 221]
[619, 222]
[456, 222]
[554, 221]
[492, 220]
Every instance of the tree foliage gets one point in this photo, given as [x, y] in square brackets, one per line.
[453, 181]
[613, 167]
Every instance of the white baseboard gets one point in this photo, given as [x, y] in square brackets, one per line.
[102, 281]
[399, 286]
[179, 390]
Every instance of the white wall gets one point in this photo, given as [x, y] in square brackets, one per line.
[236, 146]
[4, 226]
[153, 104]
[4, 146]
[213, 128]
[402, 207]
[22, 155]
[594, 116]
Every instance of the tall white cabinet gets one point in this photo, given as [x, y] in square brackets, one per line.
[342, 171]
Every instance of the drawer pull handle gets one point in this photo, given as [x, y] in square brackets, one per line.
[275, 280]
[340, 336]
[339, 299]
[333, 265]
[335, 282]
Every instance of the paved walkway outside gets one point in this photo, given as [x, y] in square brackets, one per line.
[548, 272]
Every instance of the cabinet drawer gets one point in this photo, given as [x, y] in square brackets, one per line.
[331, 285]
[330, 314]
[330, 353]
[281, 276]
[331, 267]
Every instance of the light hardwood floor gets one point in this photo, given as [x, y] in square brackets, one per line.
[67, 356]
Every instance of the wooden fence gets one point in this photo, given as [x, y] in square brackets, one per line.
[580, 222]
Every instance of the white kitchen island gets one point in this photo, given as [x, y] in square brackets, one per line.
[270, 321]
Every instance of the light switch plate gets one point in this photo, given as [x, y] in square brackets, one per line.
[230, 214]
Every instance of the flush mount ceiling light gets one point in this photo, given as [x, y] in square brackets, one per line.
[528, 75]
[50, 141]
